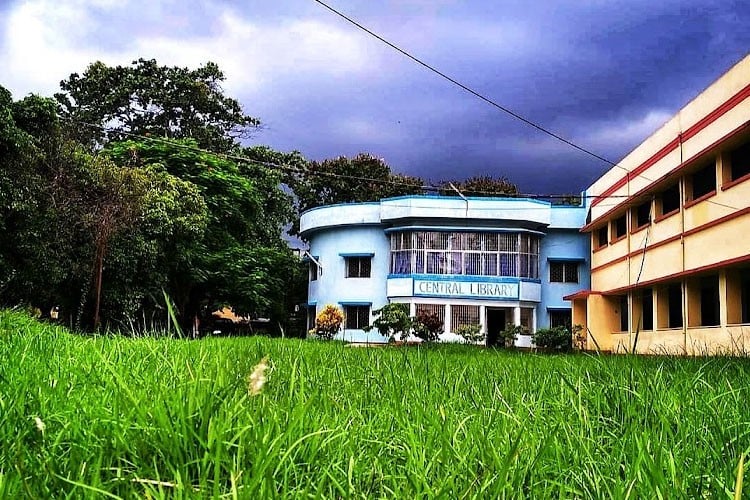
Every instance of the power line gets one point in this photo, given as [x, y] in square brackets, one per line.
[300, 170]
[467, 88]
[494, 103]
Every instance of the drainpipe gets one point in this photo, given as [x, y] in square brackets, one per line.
[681, 186]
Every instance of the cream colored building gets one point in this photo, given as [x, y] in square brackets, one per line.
[670, 234]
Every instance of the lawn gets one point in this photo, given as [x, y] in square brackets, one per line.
[121, 417]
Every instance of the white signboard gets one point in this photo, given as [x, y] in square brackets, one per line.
[470, 289]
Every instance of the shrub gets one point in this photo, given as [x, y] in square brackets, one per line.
[427, 326]
[392, 319]
[509, 336]
[328, 322]
[557, 338]
[472, 333]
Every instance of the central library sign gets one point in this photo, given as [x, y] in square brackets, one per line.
[466, 289]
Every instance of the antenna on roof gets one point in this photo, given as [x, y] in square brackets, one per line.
[461, 195]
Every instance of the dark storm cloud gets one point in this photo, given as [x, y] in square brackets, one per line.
[603, 74]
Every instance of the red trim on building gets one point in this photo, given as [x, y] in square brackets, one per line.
[682, 274]
[719, 142]
[676, 237]
[674, 143]
[581, 294]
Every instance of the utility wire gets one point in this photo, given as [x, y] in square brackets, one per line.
[301, 170]
[467, 88]
[492, 102]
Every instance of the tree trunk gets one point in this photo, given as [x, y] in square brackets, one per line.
[99, 269]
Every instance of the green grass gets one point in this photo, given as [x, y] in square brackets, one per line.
[156, 417]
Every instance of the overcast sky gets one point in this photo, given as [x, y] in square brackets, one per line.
[603, 74]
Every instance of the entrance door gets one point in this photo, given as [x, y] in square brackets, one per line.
[495, 325]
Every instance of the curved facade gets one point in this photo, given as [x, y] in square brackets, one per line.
[484, 261]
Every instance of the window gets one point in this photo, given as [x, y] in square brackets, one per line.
[465, 253]
[563, 272]
[358, 267]
[560, 317]
[674, 305]
[624, 316]
[619, 227]
[744, 276]
[313, 271]
[357, 317]
[647, 309]
[642, 215]
[670, 200]
[527, 314]
[601, 237]
[709, 295]
[702, 182]
[464, 315]
[311, 311]
[739, 160]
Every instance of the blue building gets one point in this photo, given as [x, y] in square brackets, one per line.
[482, 261]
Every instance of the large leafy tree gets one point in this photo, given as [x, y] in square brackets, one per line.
[238, 258]
[348, 180]
[145, 98]
[483, 186]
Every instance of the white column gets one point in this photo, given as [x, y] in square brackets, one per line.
[483, 319]
[533, 320]
[517, 315]
[412, 309]
[447, 318]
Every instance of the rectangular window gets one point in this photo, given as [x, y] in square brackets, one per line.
[709, 294]
[358, 267]
[702, 182]
[624, 316]
[745, 296]
[601, 237]
[436, 309]
[647, 309]
[642, 215]
[563, 272]
[357, 317]
[464, 315]
[311, 312]
[670, 200]
[674, 305]
[313, 271]
[739, 160]
[619, 227]
[560, 317]
[526, 315]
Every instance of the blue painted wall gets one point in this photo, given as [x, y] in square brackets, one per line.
[360, 229]
[332, 285]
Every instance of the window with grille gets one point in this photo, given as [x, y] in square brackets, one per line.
[436, 309]
[563, 272]
[464, 315]
[560, 317]
[470, 254]
[527, 314]
[356, 317]
[358, 267]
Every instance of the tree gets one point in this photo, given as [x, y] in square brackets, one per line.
[238, 258]
[484, 186]
[147, 99]
[348, 180]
